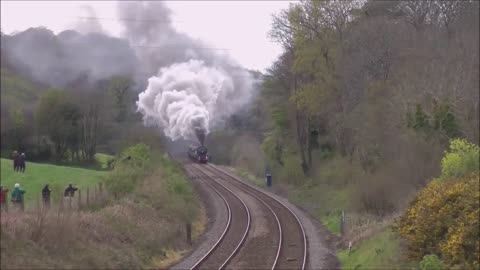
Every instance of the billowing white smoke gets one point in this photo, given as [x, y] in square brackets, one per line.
[186, 99]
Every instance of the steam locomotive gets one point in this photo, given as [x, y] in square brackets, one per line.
[198, 153]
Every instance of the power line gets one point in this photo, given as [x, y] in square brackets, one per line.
[126, 19]
[196, 48]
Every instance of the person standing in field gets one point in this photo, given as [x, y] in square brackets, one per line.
[3, 198]
[70, 191]
[15, 160]
[17, 196]
[22, 162]
[46, 196]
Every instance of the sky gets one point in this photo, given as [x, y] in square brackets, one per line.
[240, 27]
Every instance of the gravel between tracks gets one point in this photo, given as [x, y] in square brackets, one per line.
[261, 244]
[321, 253]
[217, 219]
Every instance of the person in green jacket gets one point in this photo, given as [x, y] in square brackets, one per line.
[17, 196]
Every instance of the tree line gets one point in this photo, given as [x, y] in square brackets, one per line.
[71, 124]
[384, 85]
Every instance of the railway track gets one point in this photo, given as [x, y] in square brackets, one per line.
[291, 250]
[236, 228]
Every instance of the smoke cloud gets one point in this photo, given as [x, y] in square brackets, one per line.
[57, 60]
[185, 99]
[189, 87]
[196, 89]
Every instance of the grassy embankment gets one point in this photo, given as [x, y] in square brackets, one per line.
[375, 246]
[37, 175]
[144, 227]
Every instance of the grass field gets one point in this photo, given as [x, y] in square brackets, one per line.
[381, 251]
[37, 175]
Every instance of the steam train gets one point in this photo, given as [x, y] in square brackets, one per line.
[198, 153]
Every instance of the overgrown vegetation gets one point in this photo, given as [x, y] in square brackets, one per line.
[443, 220]
[382, 251]
[357, 111]
[139, 229]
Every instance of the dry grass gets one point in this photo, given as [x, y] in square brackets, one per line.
[138, 231]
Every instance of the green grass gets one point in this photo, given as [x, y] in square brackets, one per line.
[381, 251]
[102, 160]
[324, 202]
[37, 175]
[251, 178]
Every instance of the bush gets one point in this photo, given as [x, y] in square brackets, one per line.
[431, 262]
[462, 157]
[443, 219]
[131, 165]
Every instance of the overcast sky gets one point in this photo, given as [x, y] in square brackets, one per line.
[239, 26]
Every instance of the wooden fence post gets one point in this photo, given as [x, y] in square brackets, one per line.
[39, 207]
[95, 196]
[189, 233]
[88, 197]
[79, 199]
[342, 224]
[60, 207]
[102, 196]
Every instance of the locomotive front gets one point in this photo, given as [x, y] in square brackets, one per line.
[198, 154]
[202, 156]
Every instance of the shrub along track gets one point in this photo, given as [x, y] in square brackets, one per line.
[235, 231]
[292, 249]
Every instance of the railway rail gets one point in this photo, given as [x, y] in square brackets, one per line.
[236, 228]
[291, 250]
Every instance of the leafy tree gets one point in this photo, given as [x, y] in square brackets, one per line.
[462, 157]
[19, 130]
[119, 89]
[59, 118]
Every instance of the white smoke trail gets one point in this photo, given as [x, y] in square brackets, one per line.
[189, 97]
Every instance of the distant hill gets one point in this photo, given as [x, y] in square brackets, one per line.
[17, 91]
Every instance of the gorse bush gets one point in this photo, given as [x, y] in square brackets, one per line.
[462, 157]
[443, 220]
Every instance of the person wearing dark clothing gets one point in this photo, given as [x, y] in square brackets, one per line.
[22, 162]
[3, 197]
[15, 160]
[70, 191]
[46, 196]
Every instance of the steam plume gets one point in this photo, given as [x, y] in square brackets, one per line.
[196, 89]
[185, 99]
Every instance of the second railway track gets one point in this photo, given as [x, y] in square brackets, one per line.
[291, 251]
[235, 230]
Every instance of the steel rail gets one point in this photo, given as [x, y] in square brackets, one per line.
[278, 224]
[242, 240]
[226, 227]
[275, 199]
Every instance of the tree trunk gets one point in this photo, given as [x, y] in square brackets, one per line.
[300, 130]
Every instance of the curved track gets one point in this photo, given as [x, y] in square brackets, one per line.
[236, 229]
[292, 249]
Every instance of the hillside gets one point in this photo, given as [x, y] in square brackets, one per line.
[17, 91]
[37, 175]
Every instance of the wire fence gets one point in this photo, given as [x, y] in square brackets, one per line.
[89, 198]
